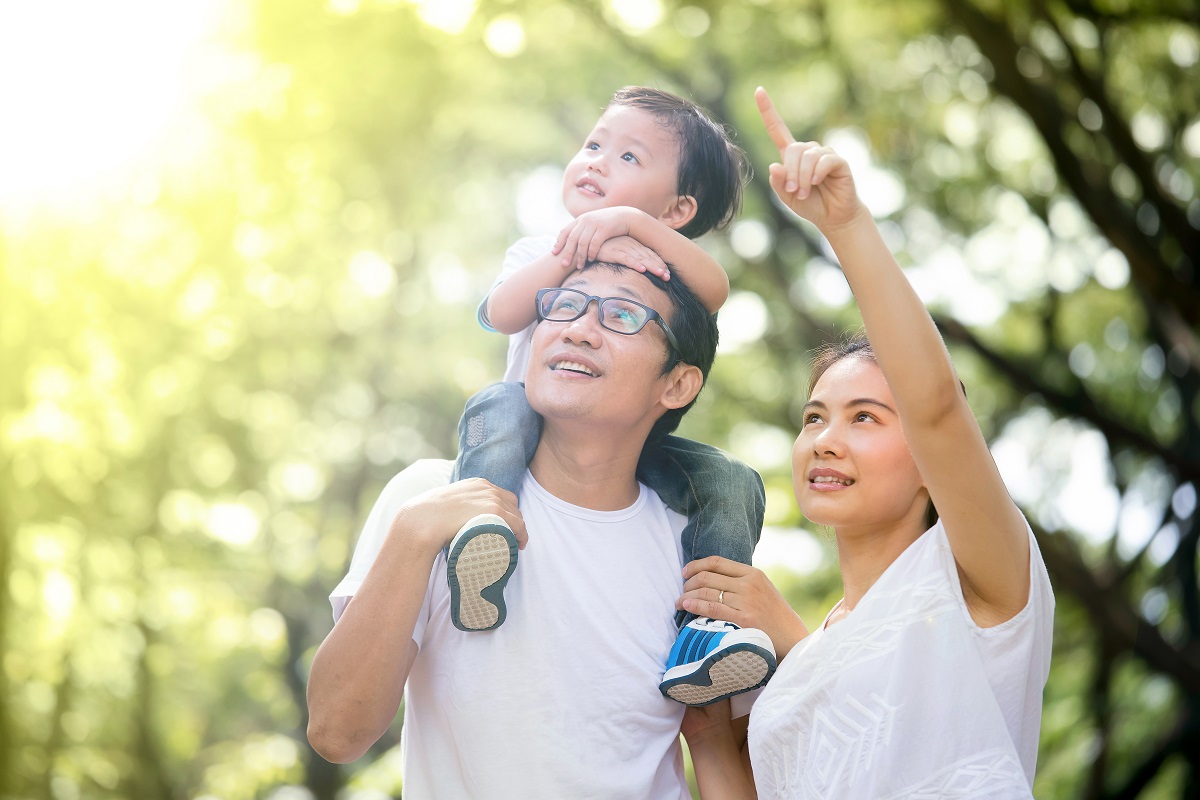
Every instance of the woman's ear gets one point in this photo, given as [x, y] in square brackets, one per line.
[681, 211]
[683, 384]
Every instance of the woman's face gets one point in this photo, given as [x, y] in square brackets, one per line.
[851, 466]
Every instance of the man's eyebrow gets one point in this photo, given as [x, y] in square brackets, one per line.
[621, 290]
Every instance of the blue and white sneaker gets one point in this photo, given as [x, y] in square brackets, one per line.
[712, 660]
[479, 561]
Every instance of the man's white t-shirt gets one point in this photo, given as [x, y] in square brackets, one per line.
[907, 696]
[521, 253]
[562, 700]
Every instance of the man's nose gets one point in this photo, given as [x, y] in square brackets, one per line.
[586, 329]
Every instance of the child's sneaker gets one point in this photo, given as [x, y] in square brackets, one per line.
[712, 660]
[479, 561]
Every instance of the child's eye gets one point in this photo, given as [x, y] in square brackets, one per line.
[592, 146]
[631, 158]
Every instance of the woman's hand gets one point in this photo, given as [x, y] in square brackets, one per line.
[722, 589]
[813, 181]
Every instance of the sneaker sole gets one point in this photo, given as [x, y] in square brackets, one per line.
[736, 669]
[478, 568]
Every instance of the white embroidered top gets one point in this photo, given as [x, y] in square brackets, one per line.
[907, 696]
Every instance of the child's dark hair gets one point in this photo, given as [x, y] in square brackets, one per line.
[712, 168]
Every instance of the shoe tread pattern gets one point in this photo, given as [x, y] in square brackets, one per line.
[734, 671]
[482, 562]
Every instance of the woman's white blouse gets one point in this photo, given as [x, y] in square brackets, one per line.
[907, 696]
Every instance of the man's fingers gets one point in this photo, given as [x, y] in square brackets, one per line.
[777, 129]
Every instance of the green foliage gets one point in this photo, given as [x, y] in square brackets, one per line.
[211, 368]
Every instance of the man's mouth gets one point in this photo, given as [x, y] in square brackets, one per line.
[573, 366]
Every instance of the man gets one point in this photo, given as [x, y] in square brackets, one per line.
[563, 699]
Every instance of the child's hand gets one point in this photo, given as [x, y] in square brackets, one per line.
[813, 181]
[629, 252]
[580, 241]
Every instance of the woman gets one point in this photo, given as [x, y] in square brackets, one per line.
[925, 680]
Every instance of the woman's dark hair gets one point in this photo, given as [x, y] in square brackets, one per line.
[712, 168]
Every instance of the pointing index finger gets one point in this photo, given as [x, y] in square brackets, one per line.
[776, 127]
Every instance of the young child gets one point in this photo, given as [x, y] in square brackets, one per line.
[654, 173]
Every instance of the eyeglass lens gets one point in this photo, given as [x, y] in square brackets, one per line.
[616, 314]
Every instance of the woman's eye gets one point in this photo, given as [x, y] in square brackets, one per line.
[811, 419]
[863, 416]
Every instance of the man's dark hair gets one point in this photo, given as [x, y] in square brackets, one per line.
[712, 168]
[695, 330]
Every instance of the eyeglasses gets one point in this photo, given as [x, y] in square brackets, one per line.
[616, 314]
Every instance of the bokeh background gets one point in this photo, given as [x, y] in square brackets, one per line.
[241, 247]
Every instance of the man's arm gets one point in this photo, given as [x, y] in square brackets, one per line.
[357, 678]
[720, 757]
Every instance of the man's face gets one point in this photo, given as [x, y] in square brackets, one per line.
[582, 371]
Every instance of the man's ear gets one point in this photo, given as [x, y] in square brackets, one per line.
[681, 211]
[683, 384]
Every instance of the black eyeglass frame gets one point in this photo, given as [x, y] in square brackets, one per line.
[651, 315]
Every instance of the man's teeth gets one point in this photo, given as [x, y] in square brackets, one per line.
[574, 366]
[832, 479]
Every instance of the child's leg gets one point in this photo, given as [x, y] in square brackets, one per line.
[723, 498]
[498, 434]
[724, 501]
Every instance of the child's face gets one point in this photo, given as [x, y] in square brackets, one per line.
[628, 159]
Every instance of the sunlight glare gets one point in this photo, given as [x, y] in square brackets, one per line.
[450, 16]
[85, 87]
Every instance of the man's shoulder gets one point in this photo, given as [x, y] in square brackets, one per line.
[675, 520]
[419, 476]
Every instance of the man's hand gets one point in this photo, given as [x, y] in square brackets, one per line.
[437, 514]
[813, 181]
[582, 240]
[703, 723]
